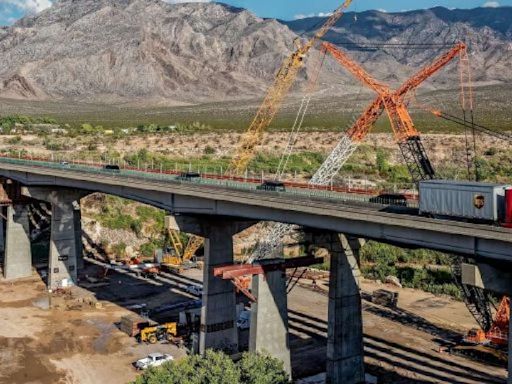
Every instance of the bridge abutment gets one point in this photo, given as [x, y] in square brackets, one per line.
[269, 315]
[18, 255]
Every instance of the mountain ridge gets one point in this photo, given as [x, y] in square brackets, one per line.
[153, 52]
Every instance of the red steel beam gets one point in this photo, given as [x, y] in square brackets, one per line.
[230, 272]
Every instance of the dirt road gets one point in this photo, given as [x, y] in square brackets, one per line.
[401, 345]
[57, 346]
[84, 346]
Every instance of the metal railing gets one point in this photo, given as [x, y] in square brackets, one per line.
[306, 191]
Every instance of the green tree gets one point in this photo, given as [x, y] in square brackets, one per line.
[382, 161]
[262, 369]
[217, 368]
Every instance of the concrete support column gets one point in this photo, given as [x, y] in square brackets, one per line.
[77, 224]
[269, 315]
[65, 247]
[18, 255]
[345, 354]
[218, 313]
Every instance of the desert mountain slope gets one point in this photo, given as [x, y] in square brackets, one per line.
[486, 31]
[140, 49]
[148, 51]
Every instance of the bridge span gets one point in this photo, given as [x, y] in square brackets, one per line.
[217, 210]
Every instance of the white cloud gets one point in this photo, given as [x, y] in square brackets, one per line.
[491, 4]
[320, 14]
[30, 6]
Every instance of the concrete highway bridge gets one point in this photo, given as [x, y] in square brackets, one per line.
[219, 209]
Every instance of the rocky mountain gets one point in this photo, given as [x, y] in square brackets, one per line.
[152, 52]
[393, 45]
[147, 50]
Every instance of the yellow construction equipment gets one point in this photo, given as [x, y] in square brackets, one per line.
[153, 334]
[276, 94]
[182, 257]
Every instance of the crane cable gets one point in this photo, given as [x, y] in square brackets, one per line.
[299, 120]
[467, 100]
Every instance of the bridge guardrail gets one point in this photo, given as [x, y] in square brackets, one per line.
[223, 183]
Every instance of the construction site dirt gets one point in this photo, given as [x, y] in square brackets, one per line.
[82, 344]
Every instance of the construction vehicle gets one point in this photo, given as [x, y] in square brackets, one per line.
[404, 130]
[497, 335]
[282, 84]
[253, 137]
[133, 325]
[476, 299]
[179, 258]
[155, 333]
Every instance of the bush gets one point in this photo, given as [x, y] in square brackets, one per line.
[217, 368]
[261, 369]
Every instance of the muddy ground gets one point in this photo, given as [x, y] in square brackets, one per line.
[83, 345]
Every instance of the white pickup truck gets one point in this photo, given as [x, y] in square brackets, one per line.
[153, 360]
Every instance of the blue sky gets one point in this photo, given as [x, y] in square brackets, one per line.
[10, 10]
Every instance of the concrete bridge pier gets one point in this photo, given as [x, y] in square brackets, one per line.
[66, 233]
[18, 255]
[269, 315]
[218, 328]
[345, 354]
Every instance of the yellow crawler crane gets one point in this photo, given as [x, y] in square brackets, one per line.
[276, 94]
[183, 255]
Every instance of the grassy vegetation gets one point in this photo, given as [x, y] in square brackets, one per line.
[114, 215]
[420, 269]
[325, 113]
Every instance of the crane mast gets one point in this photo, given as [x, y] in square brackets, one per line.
[403, 127]
[406, 134]
[276, 94]
[270, 106]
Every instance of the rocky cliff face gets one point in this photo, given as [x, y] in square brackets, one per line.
[151, 52]
[140, 49]
[393, 45]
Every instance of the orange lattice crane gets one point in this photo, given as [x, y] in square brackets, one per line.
[497, 335]
[271, 104]
[406, 134]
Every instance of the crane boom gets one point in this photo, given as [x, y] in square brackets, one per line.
[411, 148]
[428, 71]
[276, 94]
